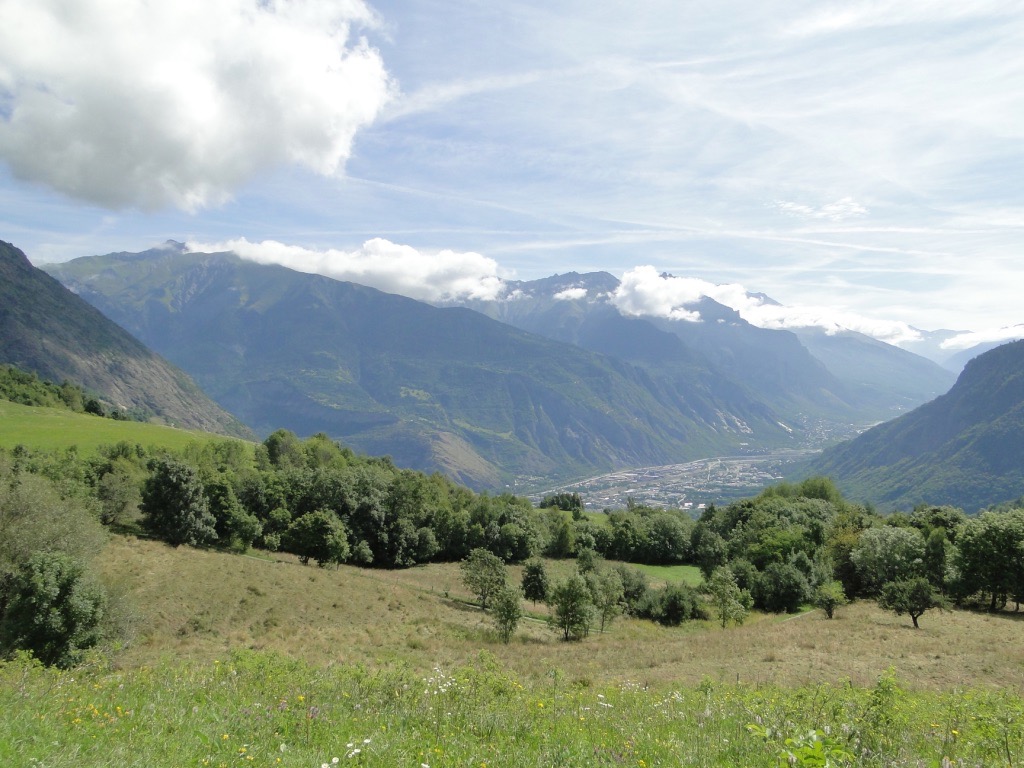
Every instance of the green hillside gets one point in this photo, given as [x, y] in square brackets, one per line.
[47, 330]
[50, 429]
[443, 389]
[962, 448]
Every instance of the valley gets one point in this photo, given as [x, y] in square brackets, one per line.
[689, 486]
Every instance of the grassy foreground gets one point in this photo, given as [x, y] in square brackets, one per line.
[261, 709]
[258, 660]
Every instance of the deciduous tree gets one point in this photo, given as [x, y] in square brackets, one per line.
[732, 603]
[506, 611]
[911, 596]
[483, 574]
[175, 507]
[571, 608]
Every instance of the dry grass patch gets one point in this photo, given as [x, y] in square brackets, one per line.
[198, 604]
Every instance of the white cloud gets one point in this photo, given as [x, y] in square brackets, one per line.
[839, 210]
[571, 294]
[438, 276]
[643, 291]
[128, 103]
[973, 338]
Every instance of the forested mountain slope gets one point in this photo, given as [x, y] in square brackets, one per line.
[47, 330]
[963, 448]
[436, 388]
[841, 378]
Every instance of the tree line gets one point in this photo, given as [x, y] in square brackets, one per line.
[790, 545]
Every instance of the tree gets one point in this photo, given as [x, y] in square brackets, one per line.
[781, 588]
[507, 610]
[607, 593]
[175, 507]
[634, 586]
[235, 526]
[483, 574]
[319, 536]
[990, 556]
[829, 596]
[733, 603]
[709, 549]
[572, 608]
[887, 554]
[911, 596]
[54, 610]
[587, 560]
[118, 492]
[535, 581]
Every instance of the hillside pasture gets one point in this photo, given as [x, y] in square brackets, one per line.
[201, 605]
[50, 429]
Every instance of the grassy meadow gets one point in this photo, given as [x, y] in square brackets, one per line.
[258, 660]
[237, 660]
[48, 429]
[197, 604]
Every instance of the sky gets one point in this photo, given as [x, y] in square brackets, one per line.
[859, 162]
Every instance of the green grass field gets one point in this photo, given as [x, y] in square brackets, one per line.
[53, 428]
[261, 661]
[236, 660]
[670, 574]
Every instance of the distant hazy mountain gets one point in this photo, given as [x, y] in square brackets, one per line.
[880, 374]
[844, 378]
[46, 329]
[963, 448]
[437, 388]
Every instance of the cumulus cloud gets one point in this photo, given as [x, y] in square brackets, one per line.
[437, 276]
[571, 294]
[970, 339]
[643, 291]
[129, 103]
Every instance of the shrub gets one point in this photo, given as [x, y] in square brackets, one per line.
[53, 610]
[781, 589]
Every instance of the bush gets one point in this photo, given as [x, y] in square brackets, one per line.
[829, 596]
[53, 610]
[319, 536]
[634, 587]
[782, 588]
[671, 606]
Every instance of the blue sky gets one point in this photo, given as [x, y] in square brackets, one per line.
[858, 161]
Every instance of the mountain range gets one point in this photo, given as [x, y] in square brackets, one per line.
[531, 388]
[47, 330]
[842, 378]
[963, 448]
